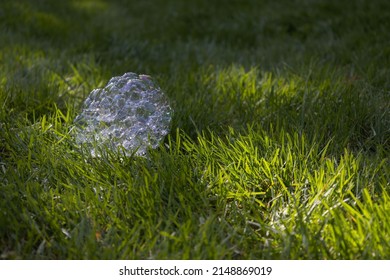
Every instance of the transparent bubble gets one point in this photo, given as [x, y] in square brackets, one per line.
[130, 112]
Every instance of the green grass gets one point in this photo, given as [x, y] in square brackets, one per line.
[279, 146]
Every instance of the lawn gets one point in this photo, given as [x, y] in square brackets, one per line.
[279, 144]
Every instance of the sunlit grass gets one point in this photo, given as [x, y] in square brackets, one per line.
[279, 146]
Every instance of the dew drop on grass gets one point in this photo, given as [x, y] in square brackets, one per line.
[130, 112]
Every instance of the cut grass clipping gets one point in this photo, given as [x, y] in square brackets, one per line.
[279, 146]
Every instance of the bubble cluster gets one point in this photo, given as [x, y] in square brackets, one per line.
[130, 112]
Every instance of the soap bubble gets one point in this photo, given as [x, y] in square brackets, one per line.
[130, 112]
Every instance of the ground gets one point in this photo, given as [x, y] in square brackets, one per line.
[278, 148]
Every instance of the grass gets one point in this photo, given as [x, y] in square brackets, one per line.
[279, 146]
